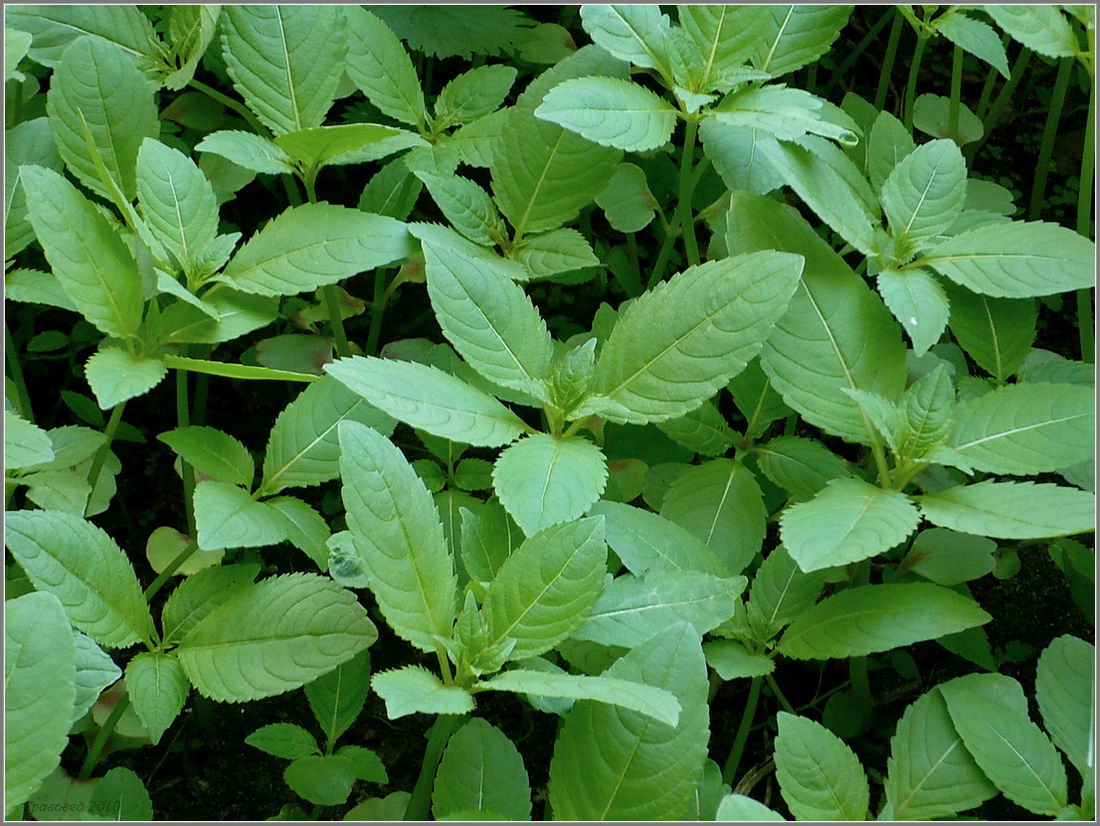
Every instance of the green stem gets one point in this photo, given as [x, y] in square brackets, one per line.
[956, 92]
[1084, 226]
[911, 83]
[105, 448]
[856, 52]
[229, 103]
[857, 666]
[664, 255]
[183, 419]
[102, 737]
[634, 285]
[1000, 103]
[1050, 133]
[378, 311]
[888, 60]
[444, 726]
[687, 223]
[779, 695]
[22, 397]
[987, 87]
[729, 770]
[170, 570]
[335, 320]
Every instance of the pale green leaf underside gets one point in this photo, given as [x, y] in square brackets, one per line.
[873, 618]
[247, 149]
[95, 670]
[84, 568]
[273, 637]
[398, 536]
[819, 776]
[429, 399]
[739, 808]
[116, 375]
[1042, 28]
[543, 480]
[635, 33]
[226, 516]
[848, 521]
[25, 444]
[1012, 510]
[412, 689]
[610, 112]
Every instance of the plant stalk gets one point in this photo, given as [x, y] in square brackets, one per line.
[105, 448]
[169, 570]
[733, 761]
[857, 666]
[888, 60]
[378, 311]
[1050, 133]
[16, 369]
[1000, 103]
[1084, 226]
[687, 222]
[856, 52]
[101, 738]
[956, 92]
[183, 419]
[444, 726]
[911, 83]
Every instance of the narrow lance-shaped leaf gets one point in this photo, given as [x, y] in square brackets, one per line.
[1012, 510]
[1066, 690]
[919, 304]
[638, 34]
[379, 65]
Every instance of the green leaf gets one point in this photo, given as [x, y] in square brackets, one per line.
[318, 146]
[39, 674]
[677, 344]
[819, 346]
[932, 115]
[889, 616]
[467, 206]
[638, 34]
[324, 780]
[284, 740]
[481, 769]
[95, 671]
[924, 193]
[313, 245]
[25, 444]
[285, 61]
[178, 203]
[702, 430]
[975, 37]
[553, 252]
[546, 587]
[473, 94]
[543, 480]
[226, 516]
[158, 689]
[337, 698]
[738, 807]
[780, 592]
[379, 65]
[191, 30]
[83, 567]
[797, 35]
[212, 453]
[632, 609]
[720, 503]
[116, 376]
[783, 112]
[489, 319]
[1066, 689]
[990, 714]
[996, 332]
[303, 449]
[610, 112]
[88, 257]
[648, 770]
[248, 150]
[29, 142]
[488, 537]
[1019, 259]
[800, 465]
[16, 44]
[413, 689]
[639, 698]
[825, 190]
[819, 776]
[54, 27]
[919, 304]
[1011, 510]
[98, 87]
[732, 150]
[931, 775]
[626, 201]
[391, 191]
[646, 542]
[427, 398]
[201, 593]
[731, 660]
[848, 521]
[725, 37]
[1042, 28]
[273, 637]
[397, 535]
[949, 558]
[756, 399]
[1024, 429]
[887, 144]
[305, 529]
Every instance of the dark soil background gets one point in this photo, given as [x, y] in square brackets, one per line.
[202, 770]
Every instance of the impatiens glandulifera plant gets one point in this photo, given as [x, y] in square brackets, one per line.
[731, 469]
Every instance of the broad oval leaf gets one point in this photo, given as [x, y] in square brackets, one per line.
[797, 35]
[54, 27]
[996, 332]
[158, 689]
[819, 776]
[29, 142]
[227, 516]
[645, 541]
[247, 149]
[648, 770]
[312, 245]
[702, 430]
[975, 37]
[481, 769]
[543, 480]
[546, 587]
[212, 453]
[1042, 28]
[397, 534]
[1065, 687]
[39, 690]
[201, 593]
[638, 34]
[1019, 259]
[116, 375]
[925, 192]
[1012, 510]
[800, 465]
[83, 567]
[611, 112]
[284, 740]
[429, 399]
[930, 774]
[873, 618]
[848, 521]
[780, 592]
[336, 699]
[676, 345]
[739, 808]
[95, 671]
[273, 637]
[990, 714]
